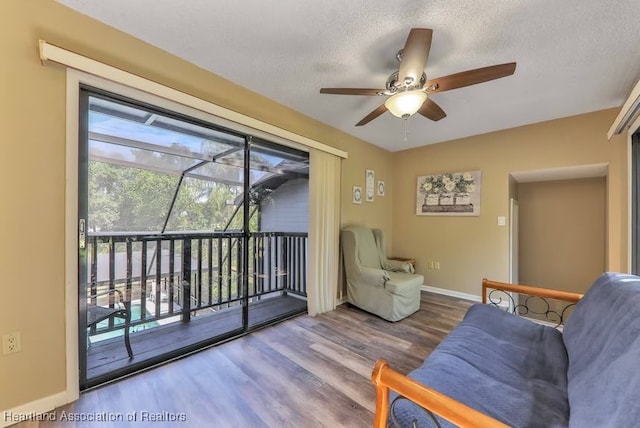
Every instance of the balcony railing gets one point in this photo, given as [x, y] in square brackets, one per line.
[179, 275]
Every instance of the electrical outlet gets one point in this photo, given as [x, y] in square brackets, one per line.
[11, 343]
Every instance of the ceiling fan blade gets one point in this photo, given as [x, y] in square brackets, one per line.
[431, 110]
[415, 54]
[470, 77]
[368, 118]
[352, 91]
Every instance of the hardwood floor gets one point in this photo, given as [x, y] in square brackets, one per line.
[303, 372]
[110, 357]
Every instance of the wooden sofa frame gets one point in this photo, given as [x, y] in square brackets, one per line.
[386, 379]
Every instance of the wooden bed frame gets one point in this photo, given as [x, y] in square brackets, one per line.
[386, 379]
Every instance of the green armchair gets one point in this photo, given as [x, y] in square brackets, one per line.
[387, 288]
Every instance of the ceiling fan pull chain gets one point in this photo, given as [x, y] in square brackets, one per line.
[406, 131]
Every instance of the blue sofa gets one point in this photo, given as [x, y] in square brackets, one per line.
[525, 374]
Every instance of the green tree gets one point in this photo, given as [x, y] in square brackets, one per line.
[129, 199]
[105, 196]
[124, 198]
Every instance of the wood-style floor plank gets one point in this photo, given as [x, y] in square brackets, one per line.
[303, 372]
[110, 355]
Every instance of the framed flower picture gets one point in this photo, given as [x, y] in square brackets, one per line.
[380, 188]
[450, 194]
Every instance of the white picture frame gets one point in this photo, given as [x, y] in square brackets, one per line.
[356, 197]
[380, 188]
[370, 181]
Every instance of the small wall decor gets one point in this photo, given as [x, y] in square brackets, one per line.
[370, 178]
[380, 188]
[452, 194]
[357, 195]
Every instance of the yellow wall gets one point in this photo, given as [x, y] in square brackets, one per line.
[562, 233]
[470, 248]
[32, 172]
[372, 214]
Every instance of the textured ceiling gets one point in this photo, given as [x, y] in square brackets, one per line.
[574, 56]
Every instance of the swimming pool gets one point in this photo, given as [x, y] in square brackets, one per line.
[135, 316]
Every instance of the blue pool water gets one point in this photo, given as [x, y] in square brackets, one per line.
[135, 316]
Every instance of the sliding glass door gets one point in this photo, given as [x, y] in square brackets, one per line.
[173, 255]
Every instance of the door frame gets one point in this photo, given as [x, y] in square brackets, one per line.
[74, 80]
[82, 167]
[514, 253]
[76, 189]
[513, 240]
[81, 70]
[633, 225]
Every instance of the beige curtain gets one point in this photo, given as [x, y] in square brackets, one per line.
[324, 232]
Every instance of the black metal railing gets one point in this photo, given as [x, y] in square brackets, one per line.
[184, 274]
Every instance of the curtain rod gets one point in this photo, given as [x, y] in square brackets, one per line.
[56, 54]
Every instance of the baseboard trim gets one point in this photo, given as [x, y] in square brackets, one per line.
[452, 293]
[33, 411]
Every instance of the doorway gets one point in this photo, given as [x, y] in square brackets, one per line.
[562, 233]
[172, 255]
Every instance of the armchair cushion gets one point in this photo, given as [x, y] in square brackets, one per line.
[399, 280]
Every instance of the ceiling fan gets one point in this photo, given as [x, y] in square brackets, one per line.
[408, 88]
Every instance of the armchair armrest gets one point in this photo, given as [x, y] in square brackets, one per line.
[385, 379]
[398, 266]
[377, 277]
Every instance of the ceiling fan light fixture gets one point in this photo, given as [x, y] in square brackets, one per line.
[405, 104]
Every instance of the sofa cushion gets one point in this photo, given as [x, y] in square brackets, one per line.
[602, 338]
[502, 365]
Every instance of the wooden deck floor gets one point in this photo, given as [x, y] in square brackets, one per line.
[109, 357]
[303, 372]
